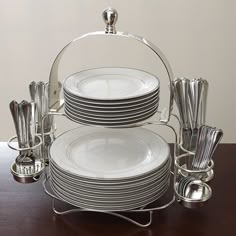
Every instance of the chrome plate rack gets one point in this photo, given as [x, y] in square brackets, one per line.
[148, 210]
[163, 119]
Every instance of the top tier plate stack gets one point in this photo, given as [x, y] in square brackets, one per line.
[111, 97]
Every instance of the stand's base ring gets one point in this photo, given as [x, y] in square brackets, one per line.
[74, 210]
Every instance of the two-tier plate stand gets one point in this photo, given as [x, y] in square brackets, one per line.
[56, 103]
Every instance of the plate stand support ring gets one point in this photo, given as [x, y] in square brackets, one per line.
[119, 215]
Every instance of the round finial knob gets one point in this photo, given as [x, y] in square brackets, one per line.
[110, 17]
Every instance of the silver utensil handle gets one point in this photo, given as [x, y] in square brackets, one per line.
[110, 16]
[14, 108]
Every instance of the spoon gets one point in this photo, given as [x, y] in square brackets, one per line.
[195, 190]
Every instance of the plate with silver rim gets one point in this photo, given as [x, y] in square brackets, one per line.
[155, 173]
[116, 200]
[114, 124]
[109, 201]
[110, 114]
[109, 154]
[128, 102]
[104, 189]
[113, 111]
[113, 207]
[77, 114]
[110, 84]
[129, 107]
[130, 194]
[110, 184]
[98, 191]
[134, 193]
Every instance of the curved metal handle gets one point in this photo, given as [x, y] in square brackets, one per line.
[54, 85]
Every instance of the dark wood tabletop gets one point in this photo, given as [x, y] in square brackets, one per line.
[26, 210]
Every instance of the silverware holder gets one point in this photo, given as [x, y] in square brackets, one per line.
[38, 166]
[183, 165]
[191, 187]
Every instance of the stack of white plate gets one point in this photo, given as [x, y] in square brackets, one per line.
[111, 96]
[109, 170]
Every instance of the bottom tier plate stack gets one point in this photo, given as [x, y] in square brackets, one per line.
[109, 170]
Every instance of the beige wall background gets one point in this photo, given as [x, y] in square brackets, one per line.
[197, 37]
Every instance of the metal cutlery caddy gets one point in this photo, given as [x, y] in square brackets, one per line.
[194, 144]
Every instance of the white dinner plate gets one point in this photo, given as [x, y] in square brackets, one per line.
[105, 187]
[130, 106]
[74, 98]
[109, 114]
[109, 192]
[135, 123]
[111, 199]
[109, 154]
[104, 123]
[92, 189]
[113, 110]
[69, 199]
[77, 114]
[146, 178]
[119, 193]
[111, 83]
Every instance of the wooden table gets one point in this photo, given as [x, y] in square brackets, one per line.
[26, 210]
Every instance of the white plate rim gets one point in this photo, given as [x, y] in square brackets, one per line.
[111, 102]
[110, 123]
[113, 208]
[115, 198]
[108, 189]
[144, 132]
[112, 106]
[66, 83]
[110, 114]
[111, 119]
[115, 184]
[132, 190]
